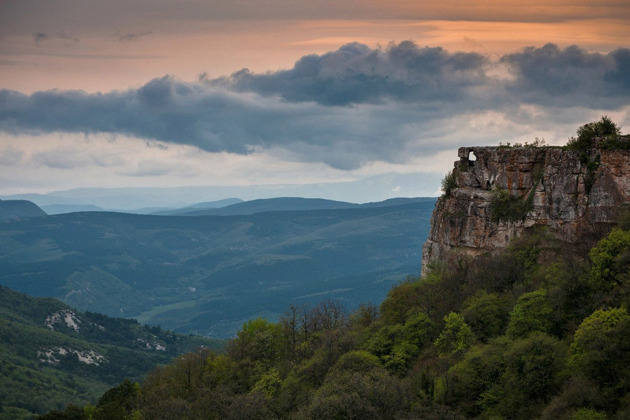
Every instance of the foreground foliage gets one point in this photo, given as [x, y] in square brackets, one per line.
[539, 331]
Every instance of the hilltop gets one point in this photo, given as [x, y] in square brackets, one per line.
[18, 209]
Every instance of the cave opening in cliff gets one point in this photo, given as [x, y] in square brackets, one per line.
[472, 157]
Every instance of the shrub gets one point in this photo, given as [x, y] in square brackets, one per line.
[588, 132]
[449, 183]
[503, 206]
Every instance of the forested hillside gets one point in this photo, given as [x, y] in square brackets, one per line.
[539, 330]
[52, 355]
[207, 275]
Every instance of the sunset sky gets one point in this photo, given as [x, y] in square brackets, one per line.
[166, 93]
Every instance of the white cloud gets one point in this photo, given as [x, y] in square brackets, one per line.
[10, 156]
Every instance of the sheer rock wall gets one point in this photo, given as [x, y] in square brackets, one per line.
[573, 193]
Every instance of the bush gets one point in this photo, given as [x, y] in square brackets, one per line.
[590, 131]
[503, 206]
[449, 183]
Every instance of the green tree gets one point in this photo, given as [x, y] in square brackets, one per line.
[588, 132]
[258, 340]
[611, 260]
[532, 312]
[532, 375]
[121, 402]
[601, 347]
[269, 383]
[479, 370]
[577, 392]
[456, 337]
[487, 314]
[398, 345]
[356, 388]
[400, 300]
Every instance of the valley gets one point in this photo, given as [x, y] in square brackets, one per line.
[207, 275]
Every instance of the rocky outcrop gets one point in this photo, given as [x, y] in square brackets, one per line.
[573, 193]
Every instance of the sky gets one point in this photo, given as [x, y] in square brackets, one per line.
[372, 94]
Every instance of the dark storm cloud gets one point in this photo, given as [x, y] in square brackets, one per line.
[345, 108]
[553, 76]
[215, 120]
[357, 74]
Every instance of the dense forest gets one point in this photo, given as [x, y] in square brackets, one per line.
[539, 330]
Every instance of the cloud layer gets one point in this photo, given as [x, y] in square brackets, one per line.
[345, 108]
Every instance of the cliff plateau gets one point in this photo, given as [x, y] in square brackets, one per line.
[498, 193]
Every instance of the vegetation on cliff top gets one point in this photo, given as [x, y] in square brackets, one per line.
[449, 183]
[602, 134]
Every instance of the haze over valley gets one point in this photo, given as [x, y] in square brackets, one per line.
[207, 274]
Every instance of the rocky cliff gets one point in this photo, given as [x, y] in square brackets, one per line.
[498, 193]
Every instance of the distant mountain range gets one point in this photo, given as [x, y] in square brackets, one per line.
[209, 274]
[150, 200]
[52, 355]
[197, 207]
[243, 208]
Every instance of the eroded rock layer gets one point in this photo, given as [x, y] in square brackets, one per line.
[574, 193]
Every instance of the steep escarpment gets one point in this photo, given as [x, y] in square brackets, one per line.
[497, 193]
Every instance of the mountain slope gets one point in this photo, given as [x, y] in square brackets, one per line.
[52, 355]
[272, 204]
[295, 204]
[16, 209]
[210, 274]
[197, 207]
[69, 208]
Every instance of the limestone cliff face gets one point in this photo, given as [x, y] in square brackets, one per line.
[573, 193]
